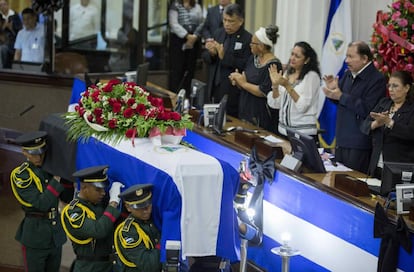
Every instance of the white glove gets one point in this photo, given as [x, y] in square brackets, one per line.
[115, 191]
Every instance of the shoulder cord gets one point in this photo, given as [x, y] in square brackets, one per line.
[15, 180]
[143, 237]
[90, 214]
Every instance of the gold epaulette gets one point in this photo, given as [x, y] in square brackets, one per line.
[22, 167]
[127, 224]
[76, 219]
[120, 242]
[21, 182]
[73, 203]
[17, 179]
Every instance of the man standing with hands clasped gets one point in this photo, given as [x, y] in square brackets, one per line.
[227, 52]
[356, 94]
[89, 223]
[40, 232]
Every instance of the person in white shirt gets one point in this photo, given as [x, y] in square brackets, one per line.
[296, 92]
[10, 26]
[30, 41]
[84, 20]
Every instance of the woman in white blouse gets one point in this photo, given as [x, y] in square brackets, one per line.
[296, 92]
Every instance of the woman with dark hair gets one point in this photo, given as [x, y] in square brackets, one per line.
[185, 19]
[391, 124]
[296, 92]
[255, 82]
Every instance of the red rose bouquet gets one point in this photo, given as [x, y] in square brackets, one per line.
[116, 110]
[393, 38]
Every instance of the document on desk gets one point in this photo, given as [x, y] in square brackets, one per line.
[330, 163]
[273, 139]
[329, 166]
[371, 181]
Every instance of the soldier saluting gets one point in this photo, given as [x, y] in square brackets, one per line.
[89, 222]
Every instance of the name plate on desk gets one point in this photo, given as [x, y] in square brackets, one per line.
[351, 185]
[265, 149]
[245, 138]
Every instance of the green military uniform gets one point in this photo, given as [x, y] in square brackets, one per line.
[40, 233]
[90, 228]
[137, 245]
[137, 242]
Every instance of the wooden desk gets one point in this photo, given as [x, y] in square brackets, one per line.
[228, 138]
[324, 182]
[332, 229]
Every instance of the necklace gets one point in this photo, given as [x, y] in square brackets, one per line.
[262, 61]
[393, 110]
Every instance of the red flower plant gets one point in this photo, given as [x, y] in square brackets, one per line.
[393, 38]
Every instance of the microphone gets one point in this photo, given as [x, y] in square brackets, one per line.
[193, 96]
[180, 85]
[179, 106]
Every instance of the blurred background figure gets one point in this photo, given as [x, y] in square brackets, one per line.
[214, 19]
[84, 20]
[9, 28]
[391, 124]
[30, 41]
[296, 92]
[185, 19]
[255, 82]
[127, 41]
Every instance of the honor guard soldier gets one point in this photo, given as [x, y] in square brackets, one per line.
[40, 232]
[137, 239]
[89, 222]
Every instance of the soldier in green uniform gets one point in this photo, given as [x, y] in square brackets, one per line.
[40, 232]
[137, 239]
[89, 222]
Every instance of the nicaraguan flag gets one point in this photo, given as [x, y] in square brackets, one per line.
[338, 35]
[78, 87]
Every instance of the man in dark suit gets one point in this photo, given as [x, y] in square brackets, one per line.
[227, 52]
[214, 19]
[356, 94]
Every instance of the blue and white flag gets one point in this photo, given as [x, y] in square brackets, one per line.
[338, 35]
[78, 87]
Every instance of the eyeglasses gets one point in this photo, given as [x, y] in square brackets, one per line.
[392, 86]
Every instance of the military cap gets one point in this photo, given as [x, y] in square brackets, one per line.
[137, 196]
[95, 175]
[34, 142]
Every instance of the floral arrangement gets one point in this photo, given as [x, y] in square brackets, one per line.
[393, 38]
[117, 110]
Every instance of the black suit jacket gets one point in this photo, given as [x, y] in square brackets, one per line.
[213, 22]
[236, 53]
[396, 144]
[359, 96]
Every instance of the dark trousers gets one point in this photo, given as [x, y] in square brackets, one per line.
[356, 159]
[42, 260]
[182, 64]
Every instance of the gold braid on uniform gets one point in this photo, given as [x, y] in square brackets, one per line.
[17, 182]
[74, 222]
[119, 239]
